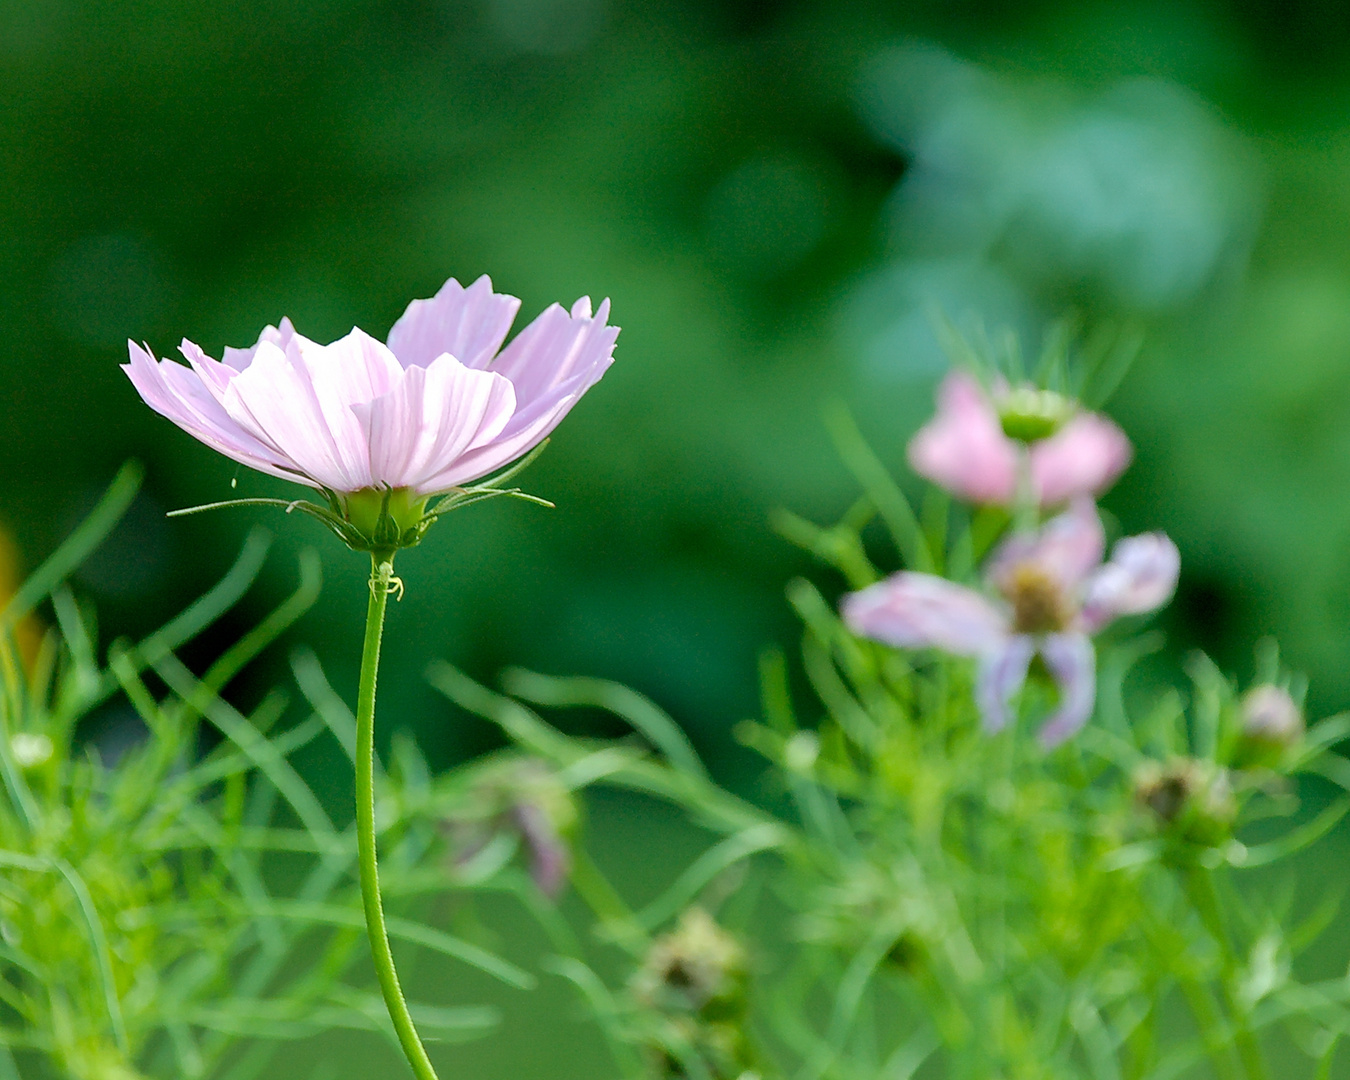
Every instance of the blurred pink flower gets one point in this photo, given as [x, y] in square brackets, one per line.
[1052, 593]
[436, 407]
[965, 449]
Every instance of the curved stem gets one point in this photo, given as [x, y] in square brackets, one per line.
[382, 582]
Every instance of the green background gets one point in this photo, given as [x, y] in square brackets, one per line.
[774, 196]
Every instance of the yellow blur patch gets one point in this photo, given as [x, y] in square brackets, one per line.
[28, 633]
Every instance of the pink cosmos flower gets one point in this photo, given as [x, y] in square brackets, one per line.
[436, 407]
[1052, 592]
[966, 449]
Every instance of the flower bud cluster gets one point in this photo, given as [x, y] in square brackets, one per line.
[693, 988]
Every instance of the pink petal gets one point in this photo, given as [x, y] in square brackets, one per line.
[274, 399]
[917, 611]
[1073, 663]
[179, 394]
[279, 335]
[469, 324]
[503, 448]
[424, 425]
[1068, 548]
[1083, 458]
[551, 363]
[1141, 577]
[963, 448]
[555, 354]
[354, 370]
[1002, 675]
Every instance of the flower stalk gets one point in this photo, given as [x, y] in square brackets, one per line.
[382, 583]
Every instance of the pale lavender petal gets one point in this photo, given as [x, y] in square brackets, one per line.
[426, 422]
[1083, 458]
[214, 375]
[177, 393]
[469, 324]
[525, 429]
[1073, 663]
[963, 448]
[1002, 674]
[354, 370]
[275, 400]
[500, 451]
[1141, 577]
[557, 355]
[1068, 548]
[279, 335]
[917, 611]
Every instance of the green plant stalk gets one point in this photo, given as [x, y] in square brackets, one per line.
[381, 582]
[1200, 888]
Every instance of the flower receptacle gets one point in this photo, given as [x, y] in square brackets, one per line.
[386, 519]
[1029, 414]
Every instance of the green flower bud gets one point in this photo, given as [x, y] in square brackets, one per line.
[1271, 723]
[1029, 414]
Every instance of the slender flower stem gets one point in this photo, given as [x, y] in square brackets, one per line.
[1200, 888]
[382, 582]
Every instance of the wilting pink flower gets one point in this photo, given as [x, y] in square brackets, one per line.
[1051, 593]
[965, 449]
[436, 407]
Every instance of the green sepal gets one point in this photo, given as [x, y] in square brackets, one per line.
[387, 534]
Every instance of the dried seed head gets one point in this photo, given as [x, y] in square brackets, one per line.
[1190, 799]
[697, 967]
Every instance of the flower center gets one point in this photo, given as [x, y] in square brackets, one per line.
[1038, 601]
[1029, 414]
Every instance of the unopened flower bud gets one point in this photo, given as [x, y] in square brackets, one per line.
[1189, 799]
[1271, 723]
[1028, 414]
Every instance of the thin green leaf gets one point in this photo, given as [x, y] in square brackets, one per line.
[412, 932]
[520, 724]
[719, 857]
[77, 546]
[259, 749]
[314, 684]
[1295, 839]
[885, 494]
[641, 712]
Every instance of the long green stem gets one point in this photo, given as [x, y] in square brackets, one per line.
[1200, 888]
[382, 580]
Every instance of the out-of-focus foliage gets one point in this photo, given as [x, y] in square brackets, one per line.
[930, 898]
[175, 904]
[773, 194]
